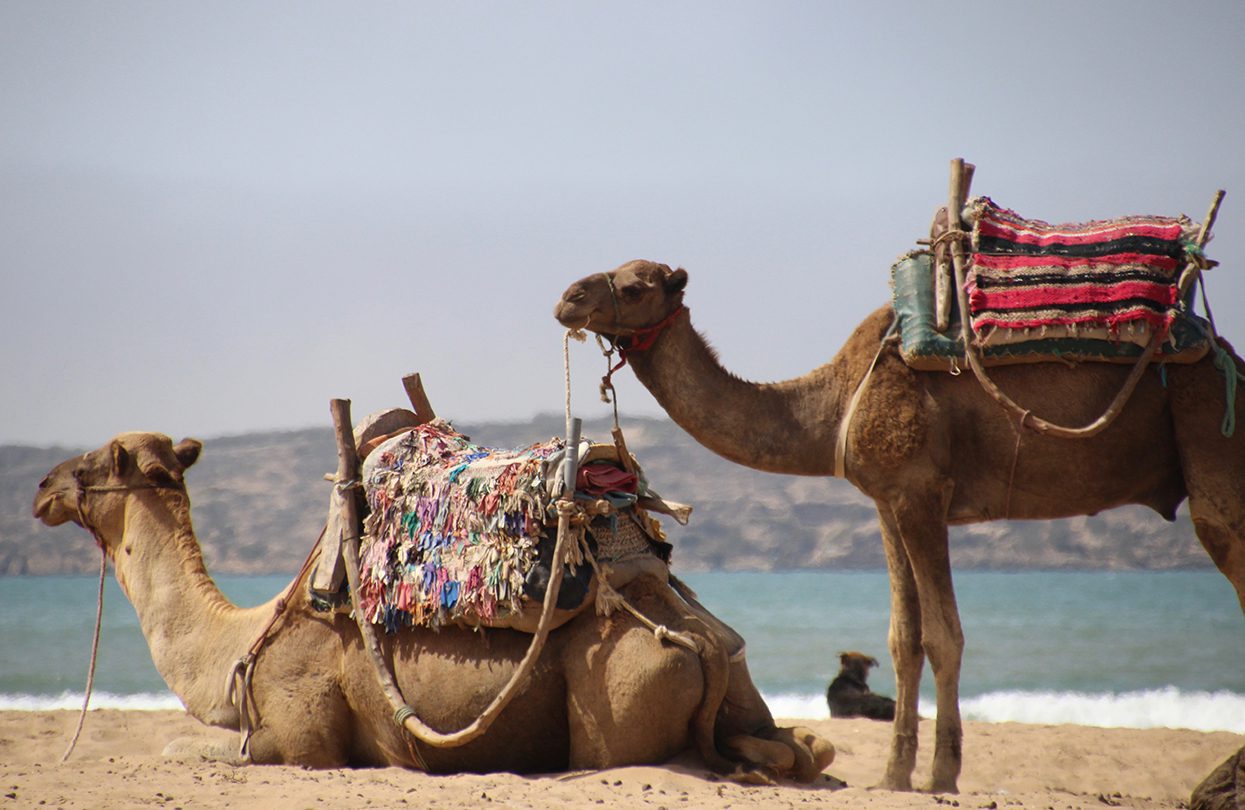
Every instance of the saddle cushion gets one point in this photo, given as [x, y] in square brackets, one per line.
[1113, 279]
[462, 533]
[923, 347]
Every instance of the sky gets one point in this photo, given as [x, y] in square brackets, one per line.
[215, 217]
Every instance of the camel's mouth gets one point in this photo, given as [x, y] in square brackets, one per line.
[44, 509]
[572, 315]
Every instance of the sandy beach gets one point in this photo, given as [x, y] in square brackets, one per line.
[119, 762]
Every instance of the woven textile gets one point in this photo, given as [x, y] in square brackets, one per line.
[453, 528]
[1113, 279]
[924, 347]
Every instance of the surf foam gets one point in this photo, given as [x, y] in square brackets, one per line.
[143, 701]
[1168, 707]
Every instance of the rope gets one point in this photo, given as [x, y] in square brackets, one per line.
[1225, 363]
[238, 694]
[609, 600]
[1231, 377]
[1011, 476]
[99, 619]
[845, 423]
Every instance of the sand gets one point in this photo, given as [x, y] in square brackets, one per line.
[119, 762]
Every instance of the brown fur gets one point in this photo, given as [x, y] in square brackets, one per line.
[605, 692]
[849, 694]
[933, 449]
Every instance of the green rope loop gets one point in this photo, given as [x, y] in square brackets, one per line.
[1231, 376]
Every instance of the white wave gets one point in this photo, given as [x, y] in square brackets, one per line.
[143, 701]
[793, 705]
[1168, 707]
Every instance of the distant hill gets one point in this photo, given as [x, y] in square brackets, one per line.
[259, 501]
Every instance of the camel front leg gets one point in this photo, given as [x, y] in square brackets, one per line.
[921, 520]
[904, 641]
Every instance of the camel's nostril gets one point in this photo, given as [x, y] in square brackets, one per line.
[47, 479]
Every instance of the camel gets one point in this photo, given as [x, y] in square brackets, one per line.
[933, 449]
[849, 695]
[605, 691]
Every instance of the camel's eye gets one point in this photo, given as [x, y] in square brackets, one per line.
[631, 292]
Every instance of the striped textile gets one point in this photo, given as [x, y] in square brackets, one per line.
[1112, 278]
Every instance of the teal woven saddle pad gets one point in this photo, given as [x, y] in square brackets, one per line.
[923, 347]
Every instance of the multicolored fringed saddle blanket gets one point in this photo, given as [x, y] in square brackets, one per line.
[1097, 291]
[458, 532]
[1112, 280]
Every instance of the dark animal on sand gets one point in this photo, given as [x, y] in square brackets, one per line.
[849, 694]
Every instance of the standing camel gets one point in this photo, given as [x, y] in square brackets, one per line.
[933, 449]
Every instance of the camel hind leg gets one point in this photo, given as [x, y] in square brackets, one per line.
[1213, 464]
[904, 640]
[632, 698]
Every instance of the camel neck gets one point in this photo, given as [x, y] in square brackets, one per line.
[195, 634]
[784, 427]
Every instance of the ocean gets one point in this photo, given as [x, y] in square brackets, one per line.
[1134, 649]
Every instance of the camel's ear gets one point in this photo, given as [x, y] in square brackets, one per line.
[120, 458]
[187, 451]
[873, 662]
[154, 469]
[676, 281]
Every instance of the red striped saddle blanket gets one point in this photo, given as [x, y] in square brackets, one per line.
[1113, 280]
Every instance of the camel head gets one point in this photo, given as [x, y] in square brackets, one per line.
[90, 486]
[631, 298]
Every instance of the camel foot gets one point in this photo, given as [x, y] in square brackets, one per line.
[895, 782]
[943, 786]
[206, 749]
[764, 753]
[813, 753]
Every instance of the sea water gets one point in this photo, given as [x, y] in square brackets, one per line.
[1136, 649]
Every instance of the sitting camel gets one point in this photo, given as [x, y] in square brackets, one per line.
[934, 449]
[605, 692]
[849, 694]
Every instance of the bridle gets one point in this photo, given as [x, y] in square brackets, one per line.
[638, 339]
[84, 488]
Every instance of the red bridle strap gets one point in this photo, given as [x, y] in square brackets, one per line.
[641, 340]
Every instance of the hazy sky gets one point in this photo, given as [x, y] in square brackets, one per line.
[214, 217]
